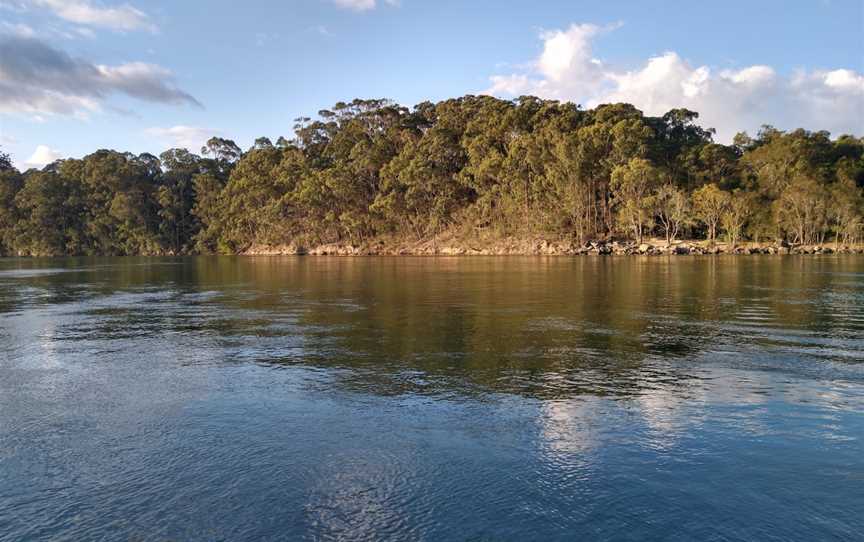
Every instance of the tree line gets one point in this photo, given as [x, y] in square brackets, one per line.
[473, 166]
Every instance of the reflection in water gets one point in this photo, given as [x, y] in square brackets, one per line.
[569, 428]
[432, 398]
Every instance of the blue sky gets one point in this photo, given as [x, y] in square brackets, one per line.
[79, 75]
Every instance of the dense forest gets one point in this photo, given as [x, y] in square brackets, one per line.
[472, 166]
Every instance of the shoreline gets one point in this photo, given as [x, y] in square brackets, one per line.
[508, 247]
[545, 247]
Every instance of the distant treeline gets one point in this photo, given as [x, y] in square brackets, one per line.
[471, 166]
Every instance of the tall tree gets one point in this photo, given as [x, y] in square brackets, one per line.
[737, 211]
[709, 205]
[632, 187]
[11, 183]
[802, 210]
[364, 171]
[847, 210]
[673, 210]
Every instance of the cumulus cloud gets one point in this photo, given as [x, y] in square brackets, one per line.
[728, 100]
[187, 137]
[362, 5]
[37, 79]
[732, 100]
[565, 68]
[123, 17]
[42, 156]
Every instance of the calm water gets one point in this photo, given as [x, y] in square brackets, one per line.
[432, 398]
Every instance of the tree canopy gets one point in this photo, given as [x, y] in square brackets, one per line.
[369, 169]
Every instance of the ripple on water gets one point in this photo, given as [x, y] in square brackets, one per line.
[372, 399]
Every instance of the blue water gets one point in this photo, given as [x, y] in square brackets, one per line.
[715, 398]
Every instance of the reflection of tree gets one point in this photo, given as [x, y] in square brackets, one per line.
[541, 327]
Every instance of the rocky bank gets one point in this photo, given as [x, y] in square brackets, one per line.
[545, 247]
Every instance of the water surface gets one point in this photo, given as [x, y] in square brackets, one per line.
[219, 398]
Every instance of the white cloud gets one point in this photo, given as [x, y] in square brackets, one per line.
[22, 30]
[37, 79]
[123, 17]
[565, 70]
[844, 79]
[187, 137]
[728, 100]
[567, 54]
[356, 5]
[42, 156]
[363, 5]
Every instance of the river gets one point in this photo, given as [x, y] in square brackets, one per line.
[412, 398]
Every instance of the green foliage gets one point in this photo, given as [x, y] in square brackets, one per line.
[5, 162]
[709, 205]
[50, 221]
[673, 210]
[801, 210]
[738, 209]
[11, 183]
[476, 165]
[847, 209]
[632, 190]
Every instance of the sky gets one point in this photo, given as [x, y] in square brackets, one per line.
[144, 76]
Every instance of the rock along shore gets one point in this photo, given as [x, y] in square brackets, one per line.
[543, 247]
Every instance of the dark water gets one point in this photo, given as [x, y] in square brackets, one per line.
[432, 398]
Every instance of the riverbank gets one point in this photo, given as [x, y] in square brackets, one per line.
[545, 247]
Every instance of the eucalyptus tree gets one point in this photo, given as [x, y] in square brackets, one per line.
[51, 216]
[739, 207]
[5, 162]
[633, 186]
[673, 209]
[366, 170]
[709, 205]
[11, 182]
[120, 209]
[847, 210]
[802, 210]
[176, 196]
